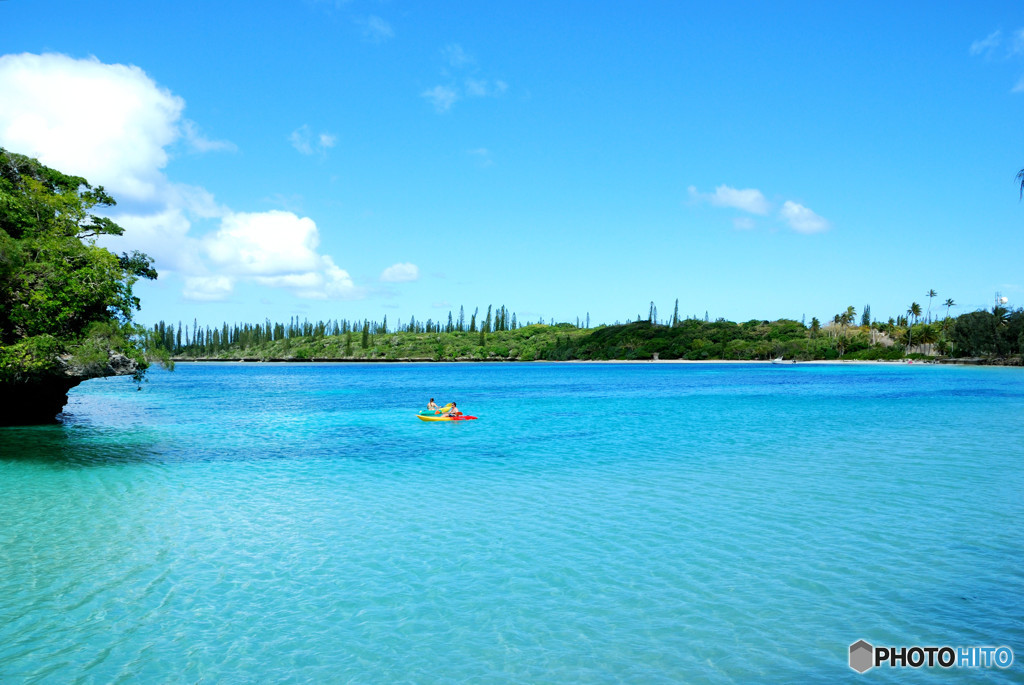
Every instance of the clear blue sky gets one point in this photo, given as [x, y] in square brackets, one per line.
[361, 159]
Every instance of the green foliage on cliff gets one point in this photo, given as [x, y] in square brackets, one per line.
[61, 294]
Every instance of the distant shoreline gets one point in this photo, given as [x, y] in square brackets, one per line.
[816, 362]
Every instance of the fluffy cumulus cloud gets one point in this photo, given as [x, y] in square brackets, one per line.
[270, 243]
[113, 124]
[108, 122]
[752, 201]
[801, 219]
[400, 273]
[277, 249]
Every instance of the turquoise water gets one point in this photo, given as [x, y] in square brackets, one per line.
[599, 523]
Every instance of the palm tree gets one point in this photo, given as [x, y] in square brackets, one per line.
[913, 311]
[931, 293]
[949, 303]
[927, 335]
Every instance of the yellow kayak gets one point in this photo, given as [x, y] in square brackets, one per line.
[439, 415]
[434, 417]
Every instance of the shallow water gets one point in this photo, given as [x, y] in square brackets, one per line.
[599, 523]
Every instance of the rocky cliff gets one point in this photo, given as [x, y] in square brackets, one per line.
[40, 398]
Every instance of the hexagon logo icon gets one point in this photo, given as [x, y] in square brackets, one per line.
[862, 656]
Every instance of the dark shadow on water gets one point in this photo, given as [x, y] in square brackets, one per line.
[63, 446]
[80, 445]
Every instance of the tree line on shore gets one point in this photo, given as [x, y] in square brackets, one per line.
[499, 335]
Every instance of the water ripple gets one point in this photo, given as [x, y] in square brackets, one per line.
[598, 523]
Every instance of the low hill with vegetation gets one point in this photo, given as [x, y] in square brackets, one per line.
[998, 335]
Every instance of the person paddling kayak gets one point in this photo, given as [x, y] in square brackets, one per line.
[431, 405]
[453, 411]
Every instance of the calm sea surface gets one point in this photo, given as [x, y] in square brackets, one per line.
[599, 523]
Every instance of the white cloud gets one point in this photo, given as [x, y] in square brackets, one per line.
[337, 282]
[164, 233]
[303, 140]
[442, 97]
[1012, 48]
[199, 143]
[197, 201]
[377, 30]
[113, 124]
[801, 219]
[471, 85]
[748, 199]
[988, 44]
[482, 88]
[476, 88]
[109, 123]
[207, 288]
[400, 273]
[456, 56]
[270, 243]
[277, 249]
[752, 201]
